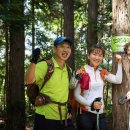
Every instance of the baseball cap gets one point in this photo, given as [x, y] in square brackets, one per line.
[61, 40]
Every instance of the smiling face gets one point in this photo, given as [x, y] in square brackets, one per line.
[62, 51]
[95, 57]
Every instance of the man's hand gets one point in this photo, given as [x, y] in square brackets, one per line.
[35, 55]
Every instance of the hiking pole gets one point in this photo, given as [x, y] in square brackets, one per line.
[97, 110]
[97, 119]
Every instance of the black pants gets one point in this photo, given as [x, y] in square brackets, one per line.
[40, 123]
[88, 121]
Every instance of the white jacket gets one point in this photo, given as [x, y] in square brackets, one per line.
[96, 87]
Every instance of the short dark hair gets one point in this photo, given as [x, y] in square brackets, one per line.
[96, 47]
[126, 47]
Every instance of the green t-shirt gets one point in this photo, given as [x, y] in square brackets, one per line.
[56, 88]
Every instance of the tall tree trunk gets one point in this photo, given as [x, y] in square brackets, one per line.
[121, 35]
[69, 26]
[92, 22]
[121, 24]
[15, 90]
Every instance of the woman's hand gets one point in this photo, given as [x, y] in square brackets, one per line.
[97, 105]
[118, 58]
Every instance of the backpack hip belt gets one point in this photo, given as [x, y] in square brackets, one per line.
[43, 99]
[60, 112]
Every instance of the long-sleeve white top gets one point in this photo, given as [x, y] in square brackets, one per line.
[96, 85]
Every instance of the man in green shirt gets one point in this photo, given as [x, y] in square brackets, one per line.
[47, 116]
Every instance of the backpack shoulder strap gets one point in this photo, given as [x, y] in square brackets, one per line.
[50, 70]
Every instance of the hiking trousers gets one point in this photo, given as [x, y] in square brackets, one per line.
[40, 123]
[88, 121]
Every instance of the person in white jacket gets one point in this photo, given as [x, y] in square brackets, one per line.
[127, 52]
[89, 90]
[128, 95]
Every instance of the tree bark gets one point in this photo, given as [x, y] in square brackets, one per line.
[69, 26]
[15, 90]
[121, 21]
[92, 22]
[121, 112]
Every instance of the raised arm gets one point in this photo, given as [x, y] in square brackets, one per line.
[117, 78]
[30, 74]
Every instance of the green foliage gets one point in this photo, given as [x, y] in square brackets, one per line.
[118, 42]
[12, 17]
[2, 73]
[109, 110]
